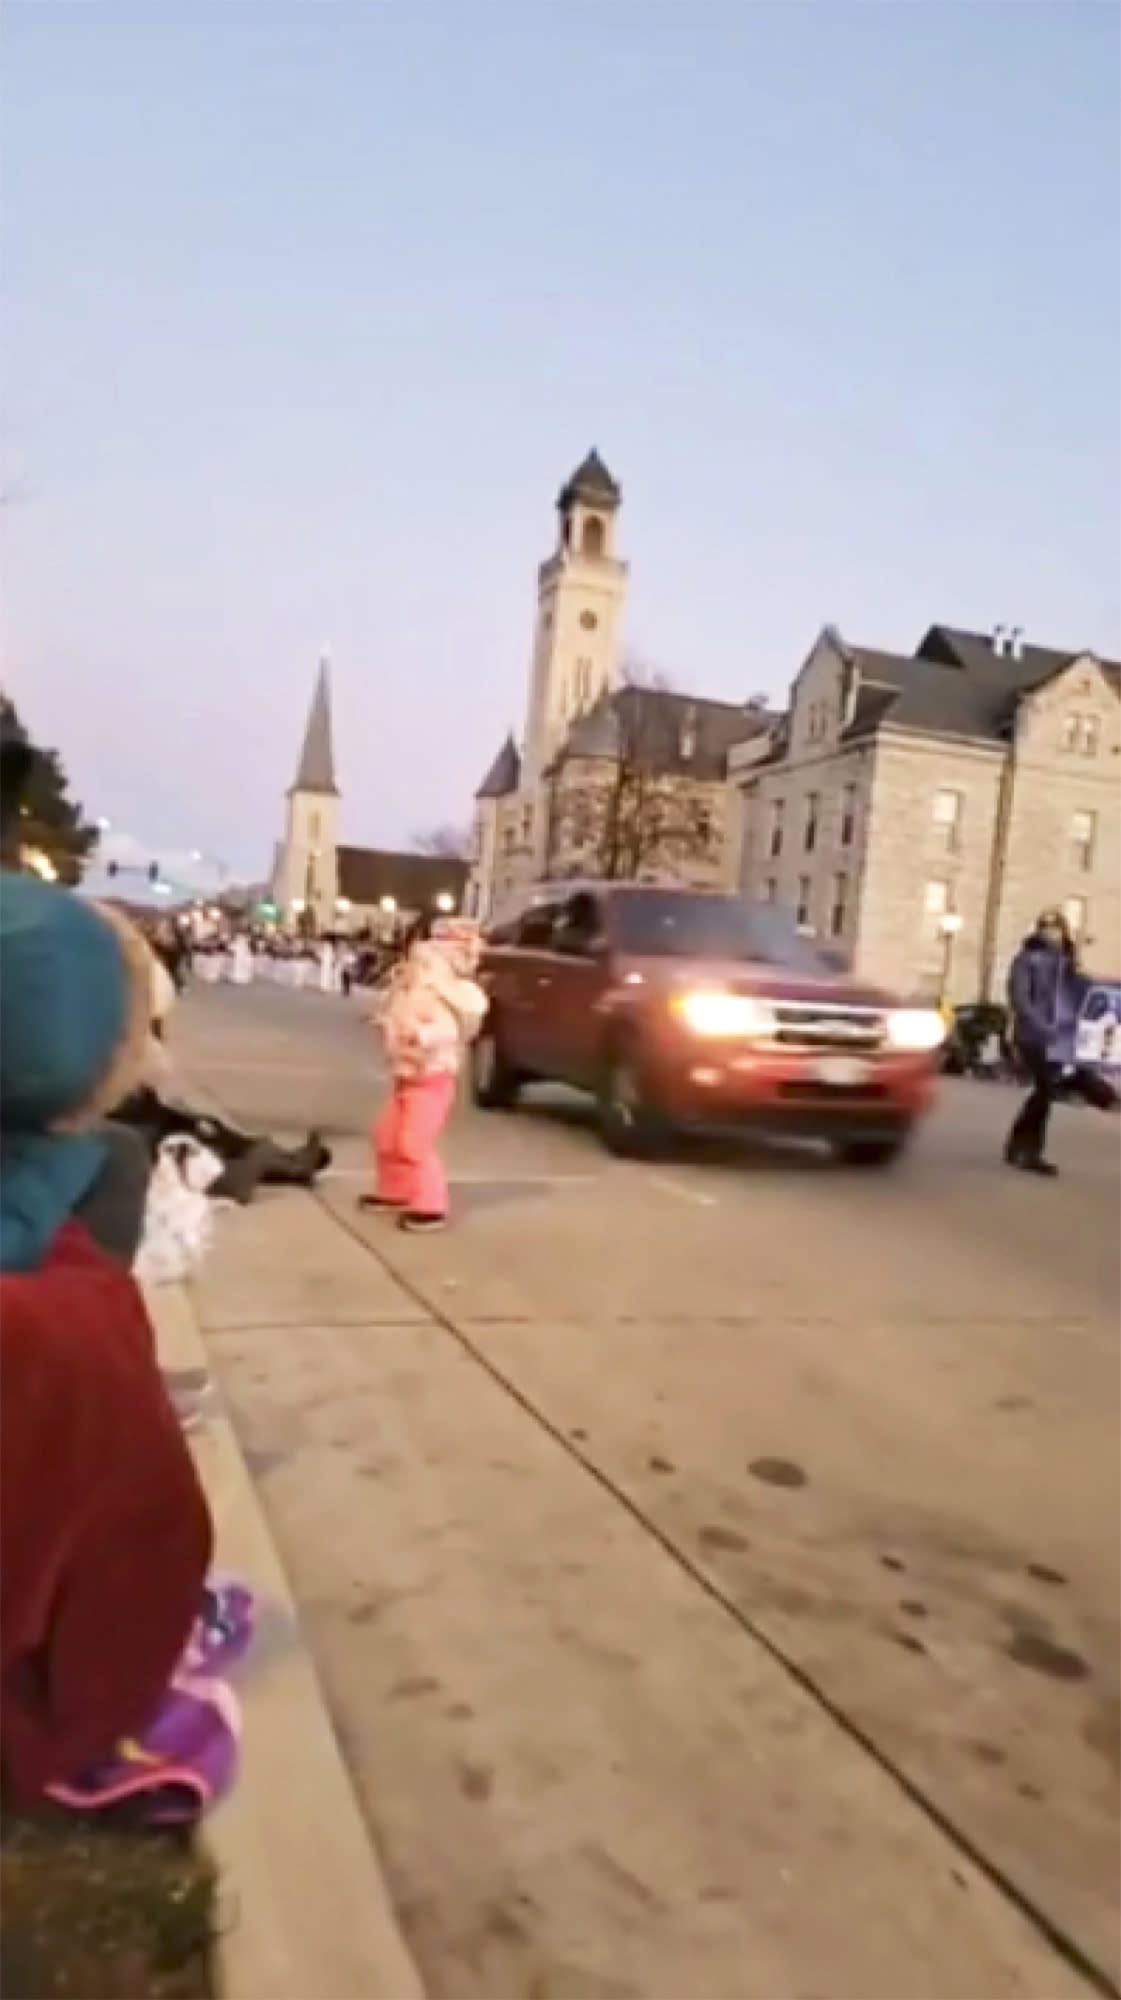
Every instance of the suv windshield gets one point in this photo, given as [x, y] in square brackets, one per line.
[663, 923]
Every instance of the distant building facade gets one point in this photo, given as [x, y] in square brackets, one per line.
[611, 778]
[917, 812]
[321, 884]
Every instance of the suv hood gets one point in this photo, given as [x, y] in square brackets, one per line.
[770, 982]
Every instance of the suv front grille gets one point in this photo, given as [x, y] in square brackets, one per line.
[829, 1027]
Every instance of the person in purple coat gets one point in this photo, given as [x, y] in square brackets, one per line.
[1045, 994]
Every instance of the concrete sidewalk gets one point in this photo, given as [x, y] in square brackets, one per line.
[305, 1911]
[586, 1778]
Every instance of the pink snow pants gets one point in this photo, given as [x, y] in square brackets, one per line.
[408, 1168]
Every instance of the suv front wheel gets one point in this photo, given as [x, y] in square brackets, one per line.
[494, 1084]
[628, 1123]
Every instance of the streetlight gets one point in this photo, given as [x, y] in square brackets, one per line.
[949, 925]
[445, 903]
[389, 905]
[343, 905]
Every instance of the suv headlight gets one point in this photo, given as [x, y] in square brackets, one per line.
[915, 1030]
[723, 1016]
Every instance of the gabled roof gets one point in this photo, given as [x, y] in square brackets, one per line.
[505, 773]
[953, 685]
[1029, 668]
[673, 734]
[414, 881]
[591, 481]
[316, 769]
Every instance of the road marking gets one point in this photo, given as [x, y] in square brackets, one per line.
[681, 1191]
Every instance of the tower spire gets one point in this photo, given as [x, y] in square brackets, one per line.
[316, 769]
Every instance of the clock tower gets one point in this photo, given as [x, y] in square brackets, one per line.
[580, 591]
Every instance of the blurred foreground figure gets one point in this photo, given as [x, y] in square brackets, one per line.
[111, 1639]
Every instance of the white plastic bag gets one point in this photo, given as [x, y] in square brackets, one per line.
[178, 1214]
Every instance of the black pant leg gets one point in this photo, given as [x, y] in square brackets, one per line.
[1028, 1136]
[1095, 1088]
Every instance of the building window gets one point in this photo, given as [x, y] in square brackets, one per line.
[583, 685]
[1082, 734]
[936, 899]
[1075, 911]
[1082, 831]
[812, 804]
[588, 621]
[803, 910]
[509, 836]
[848, 815]
[313, 826]
[838, 907]
[774, 844]
[947, 819]
[770, 891]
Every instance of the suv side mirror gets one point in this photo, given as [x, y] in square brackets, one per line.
[577, 943]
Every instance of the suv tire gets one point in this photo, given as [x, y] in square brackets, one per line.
[628, 1124]
[873, 1152]
[494, 1084]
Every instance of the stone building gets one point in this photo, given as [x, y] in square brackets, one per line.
[327, 886]
[918, 811]
[611, 778]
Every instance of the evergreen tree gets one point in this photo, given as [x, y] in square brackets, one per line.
[38, 815]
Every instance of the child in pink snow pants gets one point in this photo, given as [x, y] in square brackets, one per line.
[427, 1014]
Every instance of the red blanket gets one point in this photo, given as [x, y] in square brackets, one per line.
[105, 1535]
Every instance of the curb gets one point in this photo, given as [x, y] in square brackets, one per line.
[305, 1910]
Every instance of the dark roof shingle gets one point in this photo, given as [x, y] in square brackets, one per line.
[316, 770]
[668, 732]
[953, 685]
[504, 775]
[591, 481]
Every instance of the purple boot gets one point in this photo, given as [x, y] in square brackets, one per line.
[175, 1768]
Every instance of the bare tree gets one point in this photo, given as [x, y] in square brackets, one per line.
[451, 843]
[630, 802]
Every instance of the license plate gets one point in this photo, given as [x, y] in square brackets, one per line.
[843, 1072]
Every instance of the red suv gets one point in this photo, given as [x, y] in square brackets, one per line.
[677, 1008]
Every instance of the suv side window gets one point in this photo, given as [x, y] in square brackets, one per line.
[579, 927]
[535, 930]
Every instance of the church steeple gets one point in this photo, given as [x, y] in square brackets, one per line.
[306, 878]
[316, 769]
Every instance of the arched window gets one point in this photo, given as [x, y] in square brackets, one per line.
[592, 538]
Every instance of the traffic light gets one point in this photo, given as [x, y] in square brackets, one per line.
[111, 868]
[153, 871]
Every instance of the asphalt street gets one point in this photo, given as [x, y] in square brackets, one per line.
[713, 1564]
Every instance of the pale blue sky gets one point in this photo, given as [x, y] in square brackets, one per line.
[309, 306]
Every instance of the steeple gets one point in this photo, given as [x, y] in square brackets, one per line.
[592, 483]
[316, 771]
